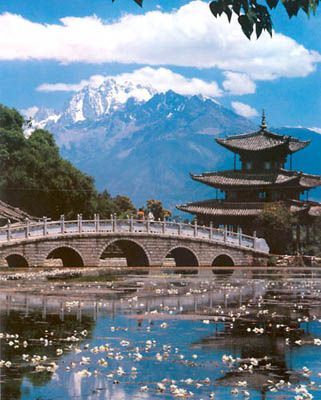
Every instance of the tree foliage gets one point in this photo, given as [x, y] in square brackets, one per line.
[37, 179]
[313, 246]
[253, 16]
[275, 225]
[157, 209]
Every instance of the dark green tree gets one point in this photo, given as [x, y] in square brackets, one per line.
[313, 247]
[35, 178]
[157, 209]
[124, 206]
[275, 225]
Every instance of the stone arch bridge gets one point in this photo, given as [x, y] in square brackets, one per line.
[143, 243]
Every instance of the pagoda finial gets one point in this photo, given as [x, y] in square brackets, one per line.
[263, 123]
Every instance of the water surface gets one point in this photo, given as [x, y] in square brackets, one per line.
[164, 337]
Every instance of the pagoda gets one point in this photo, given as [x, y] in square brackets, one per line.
[242, 194]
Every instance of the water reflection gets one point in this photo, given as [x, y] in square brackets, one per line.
[165, 337]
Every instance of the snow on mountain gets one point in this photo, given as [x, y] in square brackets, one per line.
[39, 118]
[139, 142]
[93, 102]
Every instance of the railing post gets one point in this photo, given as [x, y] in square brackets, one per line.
[79, 220]
[27, 231]
[148, 224]
[254, 240]
[211, 230]
[131, 224]
[164, 226]
[44, 226]
[179, 229]
[195, 228]
[97, 222]
[114, 223]
[8, 230]
[240, 235]
[225, 233]
[62, 224]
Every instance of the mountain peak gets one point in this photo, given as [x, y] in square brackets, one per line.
[93, 102]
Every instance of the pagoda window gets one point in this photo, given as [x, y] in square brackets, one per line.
[248, 165]
[262, 195]
[267, 165]
[232, 196]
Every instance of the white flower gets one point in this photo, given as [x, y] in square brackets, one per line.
[160, 387]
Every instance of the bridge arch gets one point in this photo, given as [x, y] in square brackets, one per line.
[135, 252]
[223, 260]
[183, 256]
[69, 256]
[16, 260]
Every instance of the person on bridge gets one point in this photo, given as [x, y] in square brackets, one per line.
[151, 216]
[140, 214]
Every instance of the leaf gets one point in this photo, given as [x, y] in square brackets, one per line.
[291, 7]
[247, 25]
[228, 13]
[272, 3]
[236, 6]
[216, 8]
[259, 29]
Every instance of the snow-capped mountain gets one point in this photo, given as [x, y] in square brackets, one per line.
[141, 143]
[93, 102]
[138, 142]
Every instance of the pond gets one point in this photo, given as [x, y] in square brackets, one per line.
[163, 337]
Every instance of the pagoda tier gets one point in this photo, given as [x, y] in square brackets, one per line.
[262, 141]
[223, 210]
[262, 150]
[231, 179]
[262, 180]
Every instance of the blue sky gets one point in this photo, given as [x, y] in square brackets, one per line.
[281, 74]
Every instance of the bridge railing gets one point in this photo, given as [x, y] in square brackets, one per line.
[46, 227]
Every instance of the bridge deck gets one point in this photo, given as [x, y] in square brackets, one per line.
[32, 230]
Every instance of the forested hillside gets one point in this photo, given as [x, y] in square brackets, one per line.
[37, 179]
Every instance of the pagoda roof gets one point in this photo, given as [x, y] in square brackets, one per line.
[311, 208]
[217, 208]
[262, 140]
[222, 208]
[231, 178]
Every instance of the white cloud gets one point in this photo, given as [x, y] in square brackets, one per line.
[161, 79]
[30, 112]
[189, 36]
[238, 84]
[244, 109]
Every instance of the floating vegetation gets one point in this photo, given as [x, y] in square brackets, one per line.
[162, 337]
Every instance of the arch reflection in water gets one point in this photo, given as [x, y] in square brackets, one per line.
[252, 328]
[223, 260]
[132, 252]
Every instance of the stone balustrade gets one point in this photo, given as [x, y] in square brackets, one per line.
[80, 226]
